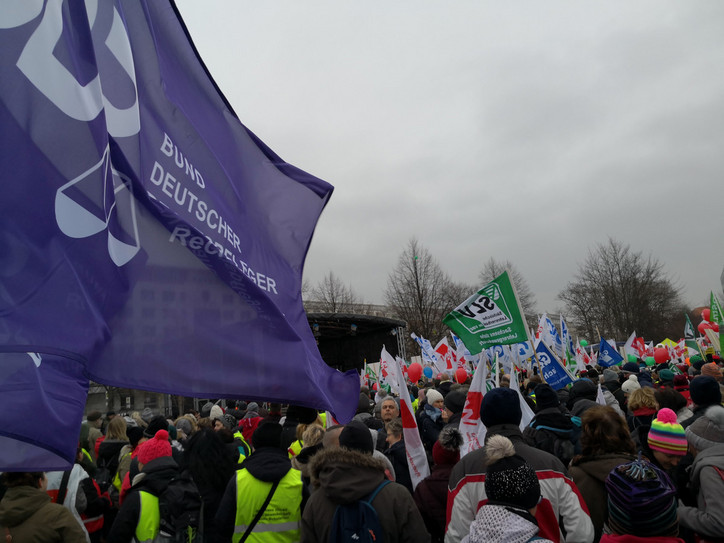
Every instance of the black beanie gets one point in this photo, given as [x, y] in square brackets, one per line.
[356, 436]
[134, 434]
[509, 479]
[303, 415]
[500, 406]
[157, 423]
[267, 434]
[545, 397]
[364, 405]
[455, 401]
[704, 390]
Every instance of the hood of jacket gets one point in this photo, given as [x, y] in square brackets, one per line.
[712, 456]
[19, 503]
[552, 419]
[155, 476]
[268, 464]
[345, 476]
[600, 465]
[502, 523]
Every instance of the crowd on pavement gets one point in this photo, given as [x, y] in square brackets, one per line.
[646, 467]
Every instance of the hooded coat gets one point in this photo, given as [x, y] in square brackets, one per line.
[708, 517]
[589, 473]
[503, 524]
[341, 477]
[31, 517]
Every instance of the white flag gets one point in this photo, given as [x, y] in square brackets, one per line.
[416, 457]
[471, 427]
[600, 399]
[525, 409]
[628, 347]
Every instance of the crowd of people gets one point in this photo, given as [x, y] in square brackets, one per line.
[646, 467]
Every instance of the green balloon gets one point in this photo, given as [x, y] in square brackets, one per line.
[630, 358]
[584, 343]
[650, 361]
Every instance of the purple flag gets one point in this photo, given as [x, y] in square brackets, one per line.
[147, 238]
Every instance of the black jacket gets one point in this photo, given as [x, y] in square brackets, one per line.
[154, 479]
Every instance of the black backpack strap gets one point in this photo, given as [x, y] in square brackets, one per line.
[260, 512]
[63, 489]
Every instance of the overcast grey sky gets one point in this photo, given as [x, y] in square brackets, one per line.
[526, 131]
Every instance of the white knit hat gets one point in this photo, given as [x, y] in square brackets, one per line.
[631, 384]
[433, 396]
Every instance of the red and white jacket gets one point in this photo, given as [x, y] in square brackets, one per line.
[560, 497]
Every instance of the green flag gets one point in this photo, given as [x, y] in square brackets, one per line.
[715, 311]
[491, 316]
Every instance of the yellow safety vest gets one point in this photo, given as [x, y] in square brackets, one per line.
[149, 521]
[280, 521]
[295, 448]
[242, 451]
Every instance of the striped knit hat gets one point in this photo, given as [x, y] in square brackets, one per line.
[666, 435]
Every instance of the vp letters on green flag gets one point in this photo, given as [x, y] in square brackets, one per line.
[491, 316]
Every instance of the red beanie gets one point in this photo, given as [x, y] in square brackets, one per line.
[441, 455]
[156, 447]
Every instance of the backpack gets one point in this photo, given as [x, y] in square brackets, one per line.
[103, 476]
[358, 521]
[552, 441]
[181, 510]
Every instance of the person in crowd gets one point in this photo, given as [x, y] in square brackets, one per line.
[331, 440]
[211, 465]
[611, 382]
[681, 385]
[110, 448]
[431, 493]
[674, 400]
[712, 369]
[128, 452]
[296, 447]
[95, 421]
[642, 505]
[453, 406]
[138, 516]
[642, 408]
[388, 410]
[349, 473]
[630, 384]
[396, 453]
[706, 443]
[266, 472]
[312, 438]
[500, 412]
[704, 391]
[605, 444]
[551, 430]
[185, 427]
[513, 494]
[665, 443]
[157, 423]
[296, 415]
[582, 396]
[27, 513]
[274, 414]
[364, 407]
[430, 420]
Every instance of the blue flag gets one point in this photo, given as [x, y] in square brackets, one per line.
[552, 371]
[148, 239]
[607, 355]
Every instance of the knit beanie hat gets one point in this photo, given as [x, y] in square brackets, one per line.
[666, 376]
[156, 447]
[641, 501]
[545, 397]
[500, 406]
[184, 425]
[206, 409]
[364, 405]
[157, 423]
[712, 370]
[631, 367]
[147, 414]
[94, 416]
[609, 375]
[356, 436]
[705, 390]
[666, 435]
[681, 382]
[267, 434]
[455, 401]
[446, 450]
[215, 412]
[708, 429]
[253, 407]
[630, 384]
[433, 396]
[134, 434]
[509, 479]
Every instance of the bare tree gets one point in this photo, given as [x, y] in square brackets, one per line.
[335, 296]
[419, 292]
[618, 291]
[493, 268]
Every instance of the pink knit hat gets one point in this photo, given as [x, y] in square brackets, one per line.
[156, 447]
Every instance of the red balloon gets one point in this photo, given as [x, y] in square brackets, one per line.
[461, 375]
[661, 355]
[414, 372]
[703, 325]
[705, 314]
